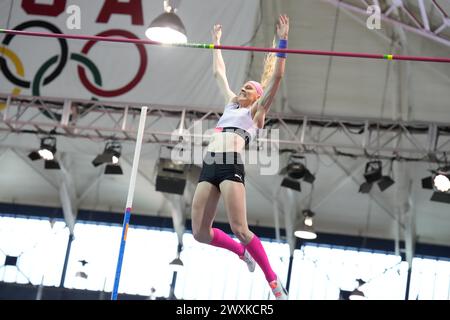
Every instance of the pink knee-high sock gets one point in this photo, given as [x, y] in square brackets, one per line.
[222, 240]
[255, 248]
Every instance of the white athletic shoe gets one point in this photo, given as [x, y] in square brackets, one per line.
[278, 290]
[248, 259]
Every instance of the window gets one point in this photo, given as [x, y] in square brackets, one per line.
[319, 273]
[216, 273]
[40, 247]
[430, 279]
[145, 262]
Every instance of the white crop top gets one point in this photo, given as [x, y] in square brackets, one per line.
[236, 117]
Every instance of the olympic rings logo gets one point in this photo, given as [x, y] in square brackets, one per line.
[58, 62]
[5, 52]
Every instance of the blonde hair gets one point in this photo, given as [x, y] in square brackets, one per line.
[269, 67]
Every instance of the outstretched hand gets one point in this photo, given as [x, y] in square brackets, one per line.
[216, 33]
[283, 26]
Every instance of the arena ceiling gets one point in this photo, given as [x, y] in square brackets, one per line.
[339, 113]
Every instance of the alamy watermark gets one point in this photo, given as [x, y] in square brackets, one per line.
[374, 19]
[262, 151]
[73, 22]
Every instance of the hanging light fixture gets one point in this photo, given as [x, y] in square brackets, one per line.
[439, 181]
[306, 229]
[357, 294]
[373, 174]
[46, 152]
[81, 273]
[177, 263]
[110, 157]
[167, 27]
[294, 171]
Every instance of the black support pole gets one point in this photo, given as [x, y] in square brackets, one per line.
[408, 283]
[66, 260]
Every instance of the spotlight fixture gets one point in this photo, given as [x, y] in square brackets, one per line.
[344, 294]
[110, 157]
[291, 184]
[171, 174]
[81, 273]
[357, 294]
[439, 181]
[167, 27]
[306, 229]
[294, 171]
[373, 174]
[47, 152]
[176, 263]
[11, 260]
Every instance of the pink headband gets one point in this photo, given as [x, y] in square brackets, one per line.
[257, 87]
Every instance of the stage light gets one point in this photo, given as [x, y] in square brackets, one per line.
[385, 182]
[171, 177]
[167, 27]
[46, 152]
[11, 260]
[306, 229]
[172, 173]
[439, 181]
[113, 169]
[110, 157]
[294, 171]
[291, 184]
[357, 295]
[373, 174]
[442, 182]
[177, 263]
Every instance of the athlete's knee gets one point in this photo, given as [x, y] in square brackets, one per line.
[201, 235]
[241, 232]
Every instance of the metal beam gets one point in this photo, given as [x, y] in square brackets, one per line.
[67, 194]
[405, 204]
[290, 219]
[176, 206]
[384, 17]
[424, 15]
[401, 106]
[351, 133]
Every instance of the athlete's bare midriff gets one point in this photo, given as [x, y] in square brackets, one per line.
[226, 142]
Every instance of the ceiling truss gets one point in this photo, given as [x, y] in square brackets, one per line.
[101, 121]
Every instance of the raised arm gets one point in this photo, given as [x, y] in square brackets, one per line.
[219, 69]
[262, 105]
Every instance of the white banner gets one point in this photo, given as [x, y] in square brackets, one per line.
[116, 71]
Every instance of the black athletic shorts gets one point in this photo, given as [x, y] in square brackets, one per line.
[220, 166]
